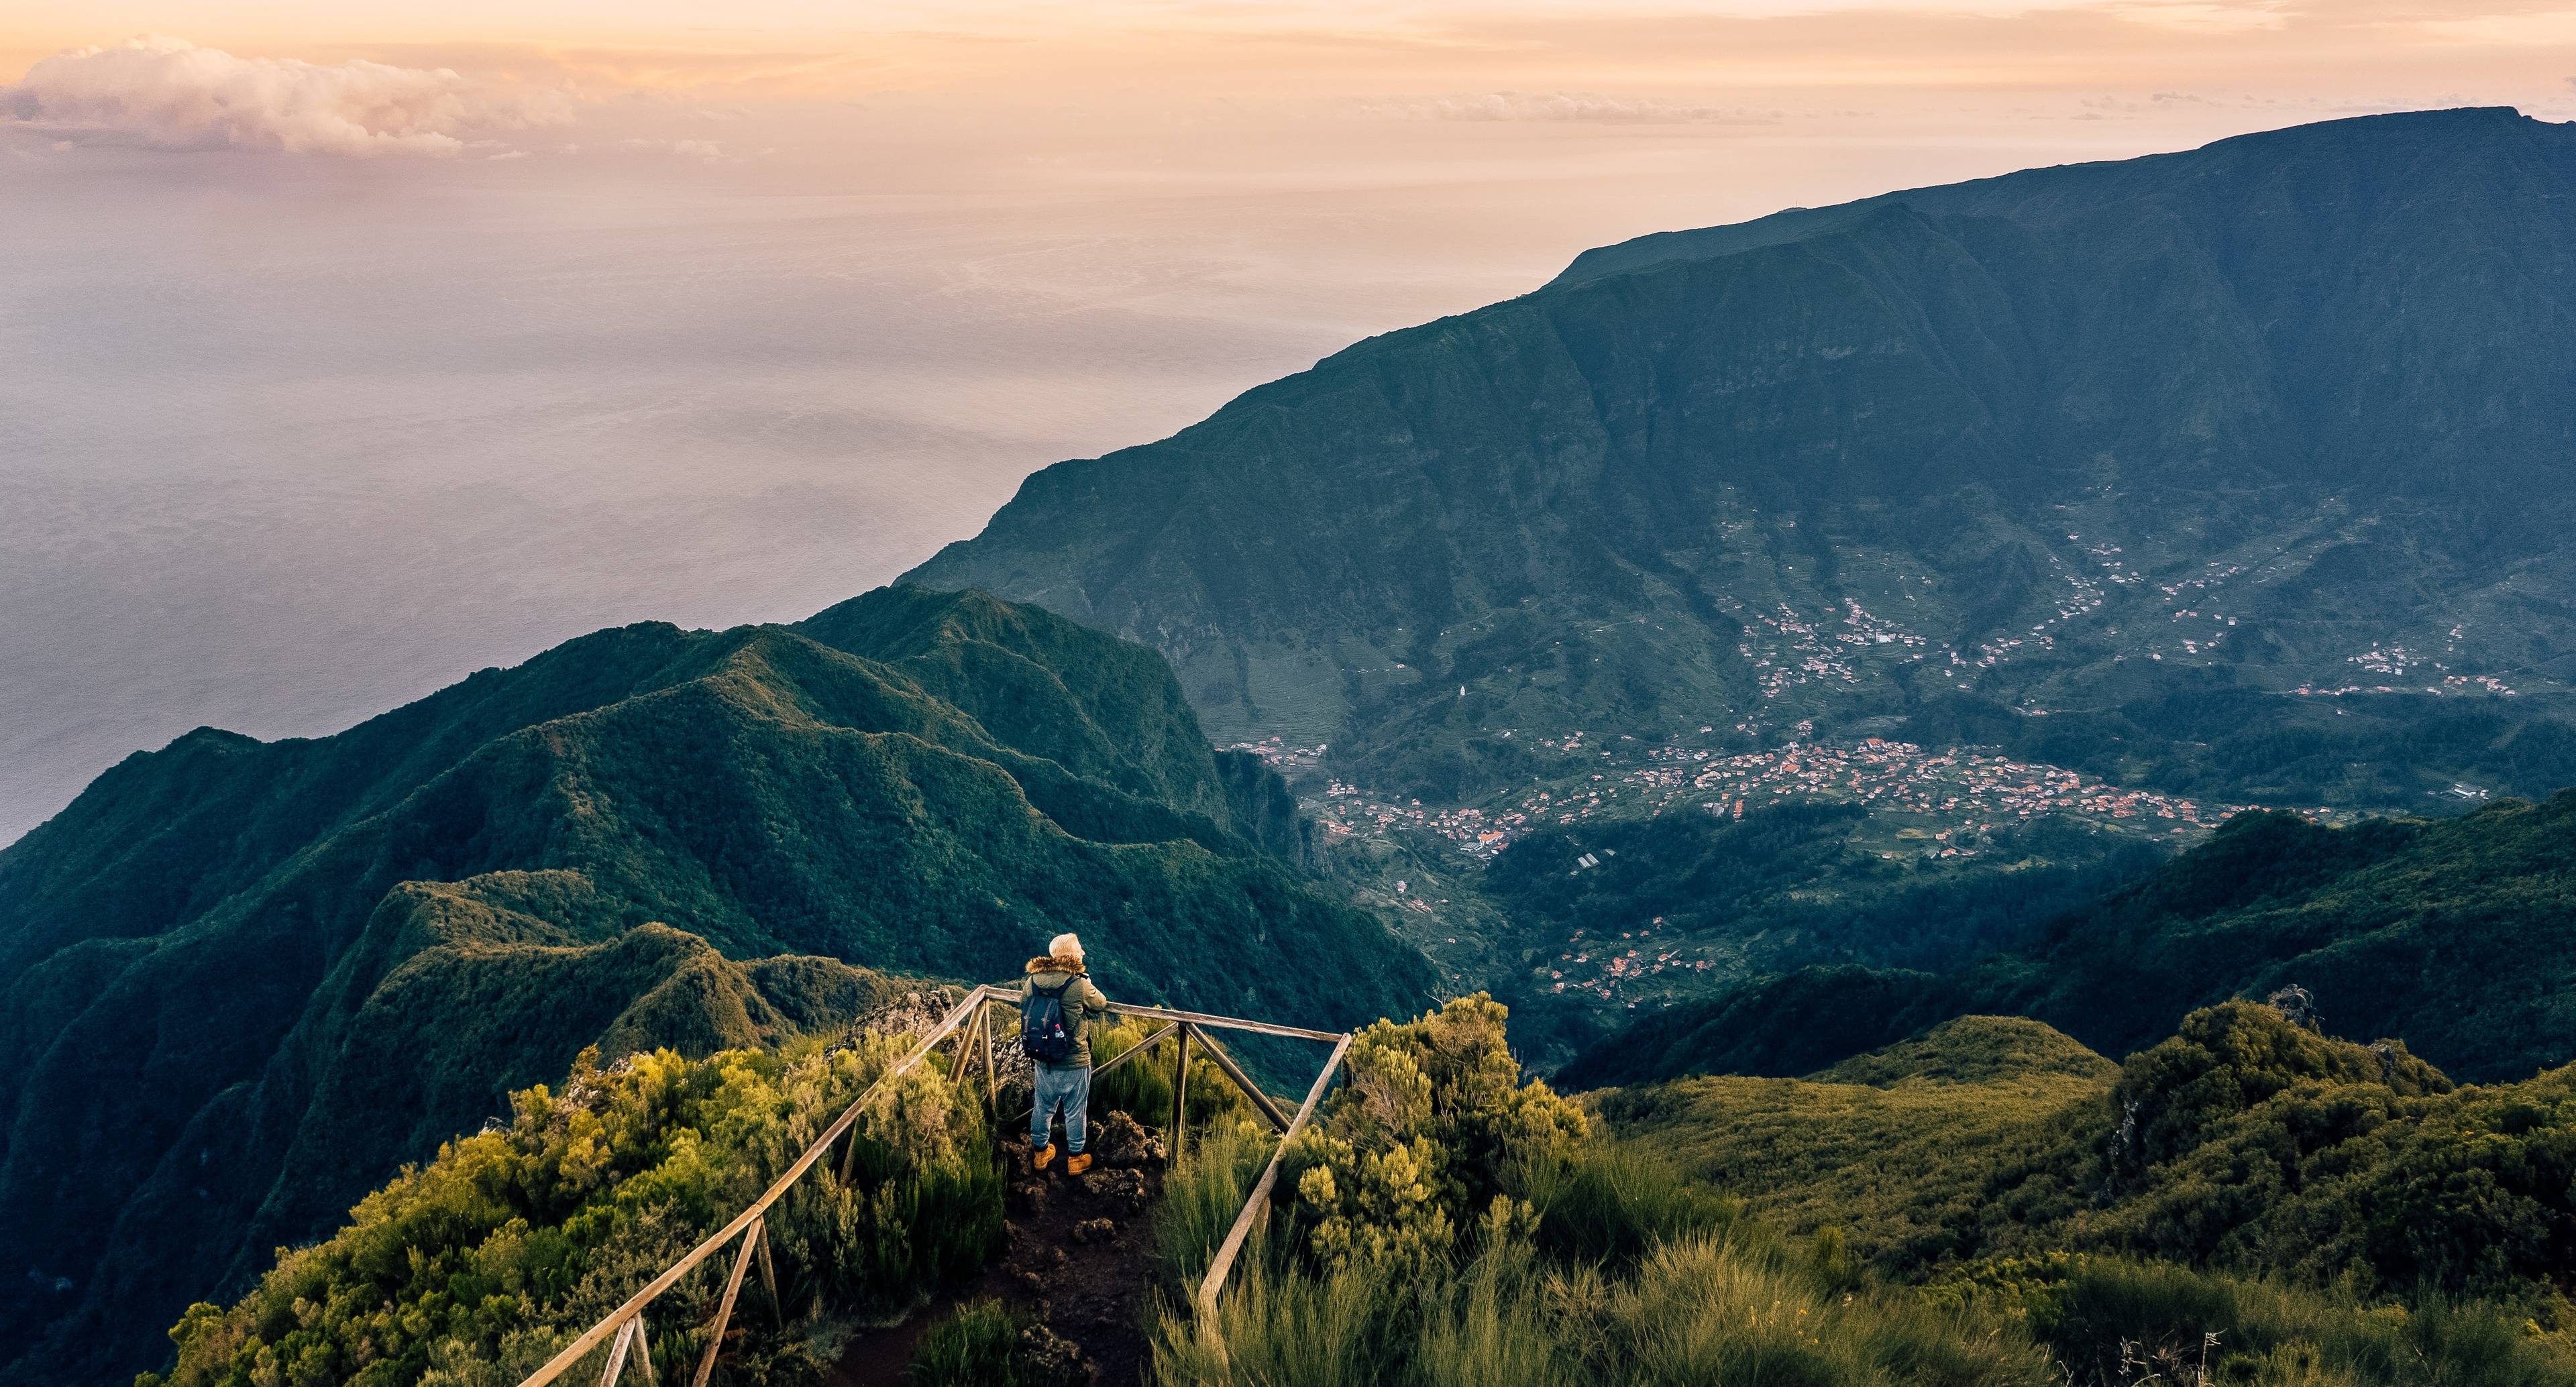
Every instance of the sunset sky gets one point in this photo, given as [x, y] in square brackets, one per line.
[1261, 87]
[346, 348]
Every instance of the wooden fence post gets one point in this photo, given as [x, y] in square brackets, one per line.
[1252, 1207]
[769, 1277]
[992, 1077]
[616, 1363]
[644, 1347]
[1181, 1097]
[1225, 1063]
[724, 1307]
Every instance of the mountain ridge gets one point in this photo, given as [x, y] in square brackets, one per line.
[2028, 431]
[687, 838]
[1655, 248]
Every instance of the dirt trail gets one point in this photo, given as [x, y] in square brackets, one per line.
[1080, 1261]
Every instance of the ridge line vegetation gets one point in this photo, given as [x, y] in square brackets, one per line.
[355, 946]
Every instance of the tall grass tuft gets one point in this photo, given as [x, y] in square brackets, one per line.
[1203, 1196]
[2112, 1321]
[1611, 1202]
[1494, 1325]
[1282, 1329]
[1702, 1308]
[978, 1346]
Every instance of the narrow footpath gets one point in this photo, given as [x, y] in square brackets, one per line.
[1079, 1265]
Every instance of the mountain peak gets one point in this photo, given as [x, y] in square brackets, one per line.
[2400, 137]
[2108, 441]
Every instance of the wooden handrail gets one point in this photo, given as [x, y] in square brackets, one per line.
[1224, 1023]
[1251, 1090]
[724, 1308]
[1004, 996]
[630, 1335]
[1135, 1051]
[970, 1007]
[556, 1366]
[1233, 1244]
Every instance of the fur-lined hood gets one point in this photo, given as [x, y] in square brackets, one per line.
[1057, 965]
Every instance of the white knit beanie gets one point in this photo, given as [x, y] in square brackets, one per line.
[1065, 946]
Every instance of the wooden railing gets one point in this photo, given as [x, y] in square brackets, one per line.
[623, 1328]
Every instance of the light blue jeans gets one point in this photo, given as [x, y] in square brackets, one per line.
[1066, 1086]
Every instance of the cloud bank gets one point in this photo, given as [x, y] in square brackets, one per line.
[167, 93]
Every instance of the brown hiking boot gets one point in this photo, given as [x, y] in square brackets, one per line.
[1045, 1156]
[1078, 1164]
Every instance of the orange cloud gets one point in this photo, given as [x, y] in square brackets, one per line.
[167, 93]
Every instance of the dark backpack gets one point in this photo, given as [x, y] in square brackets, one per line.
[1044, 1037]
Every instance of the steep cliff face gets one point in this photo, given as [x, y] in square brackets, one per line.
[2122, 441]
[244, 981]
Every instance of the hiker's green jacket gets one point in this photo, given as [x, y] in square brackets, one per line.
[1082, 1001]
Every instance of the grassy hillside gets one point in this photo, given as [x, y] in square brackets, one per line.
[1446, 1222]
[1889, 1146]
[2243, 1143]
[246, 981]
[2242, 465]
[1508, 1240]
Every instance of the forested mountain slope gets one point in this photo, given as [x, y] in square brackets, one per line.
[2247, 466]
[2456, 936]
[240, 982]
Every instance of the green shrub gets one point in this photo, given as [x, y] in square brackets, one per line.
[2261, 1147]
[476, 1268]
[2233, 1057]
[1143, 1089]
[2243, 1143]
[1422, 1140]
[1452, 1226]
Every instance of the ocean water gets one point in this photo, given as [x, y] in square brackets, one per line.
[278, 452]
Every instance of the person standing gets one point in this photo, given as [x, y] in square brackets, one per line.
[1057, 1006]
